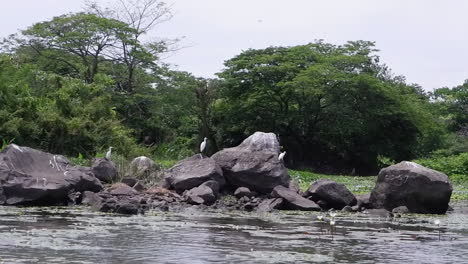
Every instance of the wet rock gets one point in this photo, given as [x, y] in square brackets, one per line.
[323, 204]
[254, 164]
[420, 189]
[400, 210]
[146, 169]
[363, 200]
[90, 198]
[34, 177]
[335, 194]
[104, 170]
[244, 192]
[293, 200]
[202, 194]
[127, 207]
[192, 172]
[348, 209]
[269, 205]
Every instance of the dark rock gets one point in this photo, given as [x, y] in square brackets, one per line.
[254, 164]
[400, 210]
[356, 208]
[33, 177]
[90, 198]
[129, 181]
[348, 209]
[335, 194]
[146, 169]
[192, 172]
[139, 187]
[294, 186]
[269, 205]
[104, 169]
[214, 185]
[293, 200]
[420, 189]
[195, 200]
[323, 204]
[122, 189]
[204, 192]
[363, 200]
[244, 192]
[127, 207]
[74, 198]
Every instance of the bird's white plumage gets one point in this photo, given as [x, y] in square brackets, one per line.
[203, 145]
[109, 153]
[281, 155]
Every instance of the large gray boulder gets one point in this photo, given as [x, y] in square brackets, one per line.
[192, 172]
[146, 169]
[254, 164]
[420, 189]
[336, 195]
[293, 200]
[104, 170]
[34, 177]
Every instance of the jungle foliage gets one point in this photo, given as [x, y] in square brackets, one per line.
[81, 82]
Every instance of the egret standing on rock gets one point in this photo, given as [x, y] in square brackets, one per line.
[109, 153]
[281, 156]
[202, 147]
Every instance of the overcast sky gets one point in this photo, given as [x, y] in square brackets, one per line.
[424, 40]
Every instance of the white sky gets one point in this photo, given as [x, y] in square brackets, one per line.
[424, 40]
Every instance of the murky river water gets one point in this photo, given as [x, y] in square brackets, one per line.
[78, 235]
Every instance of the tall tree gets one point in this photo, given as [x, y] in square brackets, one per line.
[142, 16]
[81, 41]
[324, 101]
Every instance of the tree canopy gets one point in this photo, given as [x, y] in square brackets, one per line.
[81, 82]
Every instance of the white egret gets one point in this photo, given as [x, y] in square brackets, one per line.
[281, 156]
[202, 146]
[109, 153]
[44, 182]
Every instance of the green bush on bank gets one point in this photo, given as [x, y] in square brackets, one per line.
[455, 166]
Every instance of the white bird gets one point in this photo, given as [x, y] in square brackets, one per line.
[109, 153]
[281, 156]
[203, 146]
[44, 181]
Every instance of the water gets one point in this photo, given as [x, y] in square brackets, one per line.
[78, 235]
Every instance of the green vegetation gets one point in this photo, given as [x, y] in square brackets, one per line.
[81, 82]
[455, 166]
[356, 184]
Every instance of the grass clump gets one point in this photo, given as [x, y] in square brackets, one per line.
[356, 184]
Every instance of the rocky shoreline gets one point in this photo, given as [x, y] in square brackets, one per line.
[248, 177]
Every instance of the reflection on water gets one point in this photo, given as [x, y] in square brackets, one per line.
[78, 235]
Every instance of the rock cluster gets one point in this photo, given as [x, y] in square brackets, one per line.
[247, 177]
